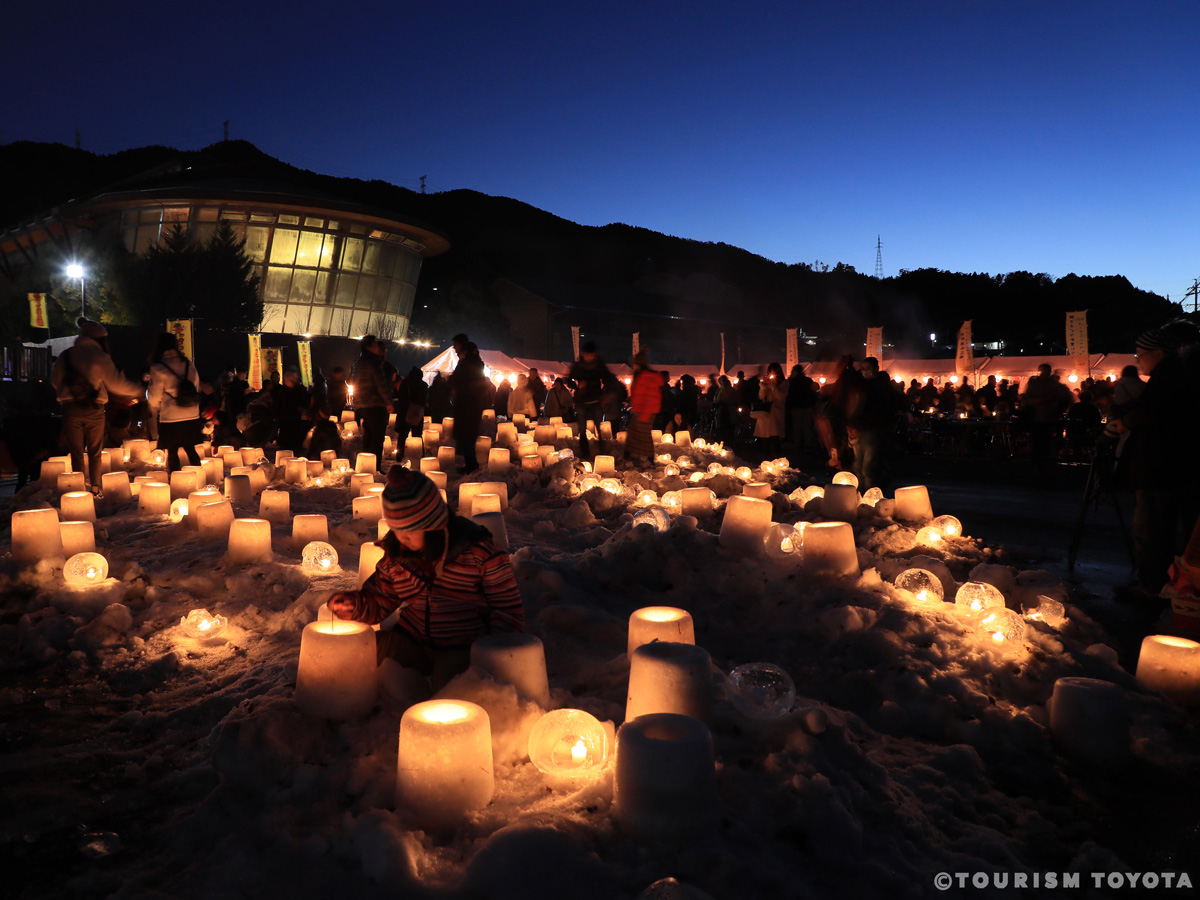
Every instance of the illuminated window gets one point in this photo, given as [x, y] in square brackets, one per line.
[283, 246]
[256, 242]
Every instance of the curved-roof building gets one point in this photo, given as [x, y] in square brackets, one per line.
[327, 265]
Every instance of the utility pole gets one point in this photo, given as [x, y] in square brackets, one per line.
[878, 257]
[1194, 293]
[423, 177]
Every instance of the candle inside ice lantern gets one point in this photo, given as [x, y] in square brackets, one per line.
[1171, 666]
[336, 678]
[949, 526]
[975, 597]
[200, 623]
[922, 584]
[568, 743]
[85, 569]
[318, 557]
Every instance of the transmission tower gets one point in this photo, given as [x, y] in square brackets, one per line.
[1194, 293]
[878, 257]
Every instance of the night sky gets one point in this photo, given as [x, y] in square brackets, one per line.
[971, 136]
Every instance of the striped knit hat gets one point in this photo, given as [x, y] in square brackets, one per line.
[1157, 339]
[411, 502]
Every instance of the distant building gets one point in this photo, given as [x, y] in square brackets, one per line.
[326, 265]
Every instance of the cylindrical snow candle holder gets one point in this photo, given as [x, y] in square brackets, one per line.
[369, 556]
[545, 434]
[840, 502]
[275, 506]
[829, 548]
[183, 482]
[912, 504]
[239, 490]
[212, 519]
[759, 490]
[36, 535]
[697, 501]
[51, 469]
[494, 522]
[445, 458]
[70, 481]
[1171, 666]
[444, 761]
[251, 455]
[327, 458]
[659, 623]
[77, 537]
[365, 462]
[431, 463]
[604, 464]
[249, 541]
[669, 677]
[295, 470]
[154, 499]
[214, 469]
[368, 507]
[683, 439]
[139, 449]
[196, 499]
[431, 437]
[485, 503]
[745, 525]
[506, 433]
[438, 477]
[1089, 719]
[358, 481]
[77, 506]
[336, 678]
[308, 528]
[414, 448]
[499, 460]
[282, 456]
[232, 459]
[665, 785]
[116, 459]
[314, 468]
[516, 659]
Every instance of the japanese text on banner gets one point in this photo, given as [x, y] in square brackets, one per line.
[875, 344]
[182, 329]
[964, 359]
[304, 348]
[254, 373]
[1077, 338]
[37, 311]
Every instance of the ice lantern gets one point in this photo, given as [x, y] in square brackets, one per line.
[669, 677]
[369, 556]
[745, 525]
[36, 534]
[444, 761]
[829, 547]
[912, 504]
[659, 623]
[1171, 666]
[976, 597]
[116, 487]
[78, 506]
[666, 781]
[841, 502]
[516, 659]
[154, 499]
[213, 519]
[249, 540]
[924, 586]
[77, 537]
[568, 743]
[275, 506]
[1089, 718]
[336, 678]
[308, 528]
[318, 558]
[85, 570]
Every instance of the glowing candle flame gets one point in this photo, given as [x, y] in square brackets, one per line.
[579, 752]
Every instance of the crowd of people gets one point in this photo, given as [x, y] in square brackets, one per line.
[1146, 419]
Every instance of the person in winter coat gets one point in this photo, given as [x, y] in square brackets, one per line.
[1161, 455]
[372, 394]
[771, 423]
[471, 390]
[559, 401]
[292, 409]
[85, 378]
[537, 387]
[411, 400]
[445, 576]
[176, 408]
[645, 401]
[520, 400]
[589, 374]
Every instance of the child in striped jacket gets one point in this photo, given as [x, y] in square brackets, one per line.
[447, 577]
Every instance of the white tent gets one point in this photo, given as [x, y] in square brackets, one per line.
[496, 365]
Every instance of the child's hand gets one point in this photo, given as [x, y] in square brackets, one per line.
[341, 605]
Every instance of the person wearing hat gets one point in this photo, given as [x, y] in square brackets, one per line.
[372, 394]
[445, 576]
[1161, 455]
[645, 401]
[85, 379]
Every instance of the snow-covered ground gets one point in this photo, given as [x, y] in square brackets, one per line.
[139, 762]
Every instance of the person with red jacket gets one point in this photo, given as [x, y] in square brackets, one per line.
[443, 574]
[645, 402]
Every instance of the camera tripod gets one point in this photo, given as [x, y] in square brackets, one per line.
[1101, 475]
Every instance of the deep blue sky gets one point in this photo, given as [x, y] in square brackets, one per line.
[972, 136]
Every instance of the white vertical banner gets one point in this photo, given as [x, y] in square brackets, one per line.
[722, 353]
[875, 344]
[575, 340]
[964, 359]
[1077, 339]
[793, 351]
[637, 344]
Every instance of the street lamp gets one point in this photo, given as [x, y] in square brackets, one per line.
[76, 271]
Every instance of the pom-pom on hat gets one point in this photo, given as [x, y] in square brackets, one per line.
[1157, 339]
[411, 502]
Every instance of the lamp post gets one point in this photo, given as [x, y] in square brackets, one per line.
[76, 271]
